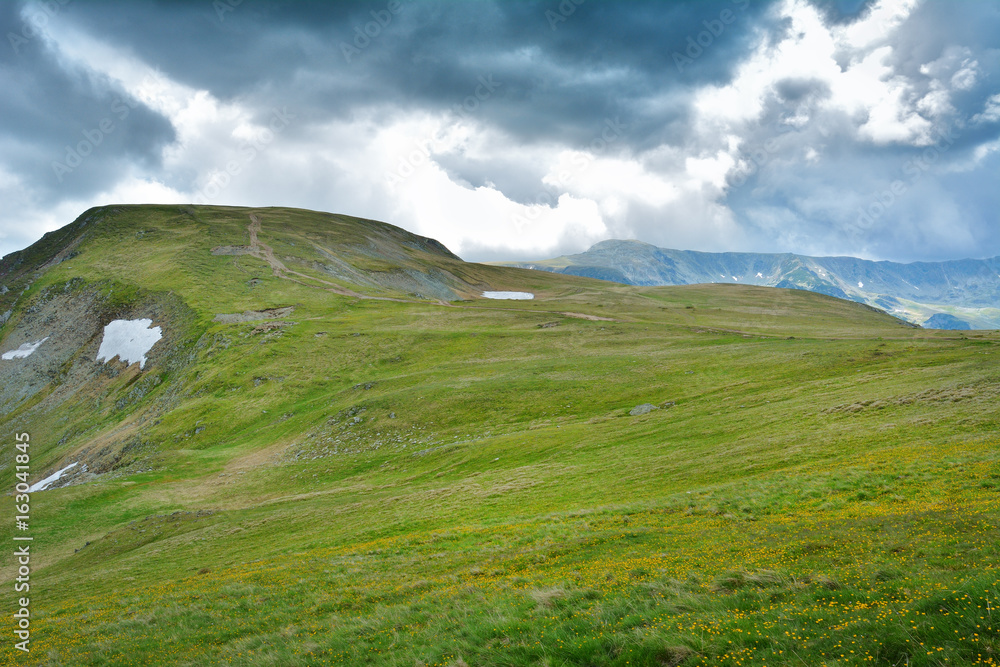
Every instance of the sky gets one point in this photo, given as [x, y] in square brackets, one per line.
[520, 130]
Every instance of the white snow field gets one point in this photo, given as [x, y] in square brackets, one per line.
[24, 351]
[520, 296]
[48, 481]
[129, 340]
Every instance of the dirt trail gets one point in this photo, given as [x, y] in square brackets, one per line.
[261, 250]
[592, 318]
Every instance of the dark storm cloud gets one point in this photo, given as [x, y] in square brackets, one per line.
[509, 176]
[842, 11]
[58, 116]
[560, 73]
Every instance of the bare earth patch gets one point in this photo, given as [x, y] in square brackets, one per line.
[232, 250]
[254, 315]
[593, 318]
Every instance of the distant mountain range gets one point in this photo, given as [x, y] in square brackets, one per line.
[961, 294]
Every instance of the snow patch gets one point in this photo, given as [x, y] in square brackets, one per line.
[50, 480]
[23, 351]
[521, 296]
[129, 340]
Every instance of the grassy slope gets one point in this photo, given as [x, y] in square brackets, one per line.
[823, 491]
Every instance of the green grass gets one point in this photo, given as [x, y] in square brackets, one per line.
[404, 483]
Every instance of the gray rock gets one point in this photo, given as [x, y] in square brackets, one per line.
[643, 409]
[232, 250]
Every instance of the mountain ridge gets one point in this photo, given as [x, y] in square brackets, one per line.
[967, 289]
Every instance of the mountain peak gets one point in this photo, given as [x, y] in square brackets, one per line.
[619, 243]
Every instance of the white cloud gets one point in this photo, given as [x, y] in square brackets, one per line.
[892, 118]
[598, 178]
[956, 66]
[855, 63]
[432, 204]
[710, 170]
[882, 20]
[990, 112]
[983, 151]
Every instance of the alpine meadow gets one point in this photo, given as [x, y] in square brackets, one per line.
[499, 333]
[339, 453]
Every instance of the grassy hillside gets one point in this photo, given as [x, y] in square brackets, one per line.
[396, 472]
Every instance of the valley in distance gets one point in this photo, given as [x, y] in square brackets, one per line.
[280, 437]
